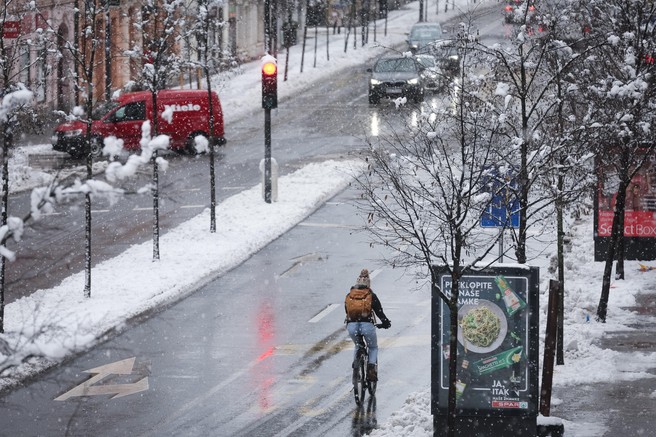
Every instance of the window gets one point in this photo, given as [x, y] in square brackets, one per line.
[130, 112]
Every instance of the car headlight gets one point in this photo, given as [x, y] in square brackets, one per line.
[73, 133]
[375, 81]
[414, 81]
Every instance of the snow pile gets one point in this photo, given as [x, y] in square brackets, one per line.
[60, 321]
[412, 420]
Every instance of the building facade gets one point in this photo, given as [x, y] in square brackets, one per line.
[54, 40]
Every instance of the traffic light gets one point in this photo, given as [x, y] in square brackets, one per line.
[269, 84]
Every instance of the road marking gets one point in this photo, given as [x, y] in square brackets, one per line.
[375, 273]
[143, 209]
[88, 388]
[100, 210]
[203, 397]
[330, 308]
[328, 225]
[192, 206]
[299, 260]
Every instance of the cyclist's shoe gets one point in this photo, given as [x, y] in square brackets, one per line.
[372, 373]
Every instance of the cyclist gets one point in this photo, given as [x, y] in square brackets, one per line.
[362, 306]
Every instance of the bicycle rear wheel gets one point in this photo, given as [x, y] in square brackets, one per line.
[372, 388]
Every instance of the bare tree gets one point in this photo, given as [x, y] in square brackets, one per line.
[16, 100]
[161, 21]
[200, 37]
[428, 187]
[570, 179]
[84, 54]
[616, 81]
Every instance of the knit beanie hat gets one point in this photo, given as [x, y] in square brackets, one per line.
[363, 279]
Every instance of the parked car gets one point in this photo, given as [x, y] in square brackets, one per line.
[431, 74]
[124, 116]
[421, 35]
[396, 76]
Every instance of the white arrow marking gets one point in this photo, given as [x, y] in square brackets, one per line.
[123, 367]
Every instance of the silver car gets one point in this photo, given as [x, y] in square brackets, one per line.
[421, 35]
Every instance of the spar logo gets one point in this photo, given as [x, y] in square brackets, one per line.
[189, 107]
[510, 404]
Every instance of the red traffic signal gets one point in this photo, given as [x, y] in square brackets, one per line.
[269, 84]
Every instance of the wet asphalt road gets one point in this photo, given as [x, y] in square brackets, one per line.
[261, 351]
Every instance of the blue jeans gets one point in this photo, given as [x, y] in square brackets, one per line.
[368, 330]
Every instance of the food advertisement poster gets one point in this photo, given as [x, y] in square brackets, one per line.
[497, 342]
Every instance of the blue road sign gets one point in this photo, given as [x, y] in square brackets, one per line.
[503, 210]
[498, 217]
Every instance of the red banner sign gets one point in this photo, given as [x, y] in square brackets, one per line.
[11, 29]
[640, 210]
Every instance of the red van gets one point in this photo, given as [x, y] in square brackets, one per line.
[124, 116]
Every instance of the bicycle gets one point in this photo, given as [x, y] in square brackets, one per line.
[360, 382]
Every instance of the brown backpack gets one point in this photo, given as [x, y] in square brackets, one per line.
[358, 304]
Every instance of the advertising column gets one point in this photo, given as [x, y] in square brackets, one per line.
[497, 384]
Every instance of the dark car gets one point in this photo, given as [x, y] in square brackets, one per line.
[422, 34]
[398, 76]
[431, 74]
[446, 56]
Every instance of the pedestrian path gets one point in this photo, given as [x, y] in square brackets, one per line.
[617, 407]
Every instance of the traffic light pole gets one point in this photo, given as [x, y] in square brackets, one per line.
[267, 155]
[269, 101]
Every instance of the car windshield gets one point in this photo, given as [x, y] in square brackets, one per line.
[426, 61]
[395, 65]
[103, 109]
[426, 32]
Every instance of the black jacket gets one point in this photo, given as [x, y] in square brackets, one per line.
[376, 306]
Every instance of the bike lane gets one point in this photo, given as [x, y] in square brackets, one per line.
[260, 351]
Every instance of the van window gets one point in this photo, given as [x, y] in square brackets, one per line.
[101, 110]
[130, 112]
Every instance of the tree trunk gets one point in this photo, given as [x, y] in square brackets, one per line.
[453, 356]
[155, 182]
[87, 200]
[212, 165]
[616, 234]
[87, 228]
[560, 337]
[6, 140]
[619, 267]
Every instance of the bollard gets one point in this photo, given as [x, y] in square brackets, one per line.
[274, 179]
